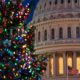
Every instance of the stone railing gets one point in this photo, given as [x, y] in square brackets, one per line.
[58, 11]
[52, 42]
[62, 17]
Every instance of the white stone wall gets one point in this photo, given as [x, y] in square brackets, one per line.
[64, 24]
[44, 5]
[48, 25]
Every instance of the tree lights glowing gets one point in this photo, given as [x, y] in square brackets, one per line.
[16, 44]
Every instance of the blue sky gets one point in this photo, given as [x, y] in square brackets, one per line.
[33, 4]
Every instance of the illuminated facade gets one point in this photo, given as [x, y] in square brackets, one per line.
[57, 35]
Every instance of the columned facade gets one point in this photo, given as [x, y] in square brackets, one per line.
[59, 65]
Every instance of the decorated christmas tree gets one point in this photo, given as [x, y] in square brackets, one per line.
[17, 61]
[38, 63]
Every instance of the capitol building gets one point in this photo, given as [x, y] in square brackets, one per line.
[57, 36]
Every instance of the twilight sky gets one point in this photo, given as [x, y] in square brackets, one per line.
[33, 4]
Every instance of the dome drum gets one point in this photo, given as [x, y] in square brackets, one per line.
[57, 35]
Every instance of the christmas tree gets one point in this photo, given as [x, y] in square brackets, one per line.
[17, 61]
[38, 63]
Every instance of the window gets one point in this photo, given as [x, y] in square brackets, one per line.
[39, 36]
[69, 32]
[45, 35]
[44, 5]
[75, 1]
[60, 63]
[69, 1]
[78, 62]
[78, 32]
[69, 62]
[50, 3]
[51, 62]
[52, 34]
[55, 1]
[62, 1]
[60, 33]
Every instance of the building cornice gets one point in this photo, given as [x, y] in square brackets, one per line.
[59, 21]
[58, 47]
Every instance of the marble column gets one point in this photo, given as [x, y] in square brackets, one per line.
[35, 37]
[73, 3]
[56, 33]
[74, 60]
[66, 3]
[48, 68]
[79, 2]
[54, 59]
[58, 3]
[49, 34]
[65, 63]
[41, 35]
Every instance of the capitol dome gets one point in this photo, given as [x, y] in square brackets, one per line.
[57, 35]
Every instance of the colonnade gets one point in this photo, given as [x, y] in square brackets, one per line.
[58, 66]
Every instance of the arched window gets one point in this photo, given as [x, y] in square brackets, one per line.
[44, 5]
[52, 34]
[78, 32]
[69, 32]
[50, 2]
[39, 36]
[75, 1]
[69, 1]
[55, 1]
[60, 33]
[62, 1]
[45, 35]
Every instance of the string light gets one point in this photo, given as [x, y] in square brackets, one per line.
[17, 61]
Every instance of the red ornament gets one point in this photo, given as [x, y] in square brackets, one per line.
[1, 30]
[10, 77]
[20, 6]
